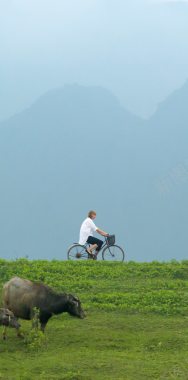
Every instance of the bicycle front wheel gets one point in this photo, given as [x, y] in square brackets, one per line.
[77, 252]
[113, 253]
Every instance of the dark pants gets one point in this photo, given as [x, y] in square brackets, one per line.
[94, 240]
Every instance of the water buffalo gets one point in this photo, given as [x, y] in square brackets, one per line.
[7, 319]
[22, 297]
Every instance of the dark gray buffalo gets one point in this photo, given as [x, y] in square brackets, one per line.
[8, 319]
[22, 297]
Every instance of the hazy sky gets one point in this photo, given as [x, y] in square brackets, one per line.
[136, 48]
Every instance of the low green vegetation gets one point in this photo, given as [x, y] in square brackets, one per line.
[136, 325]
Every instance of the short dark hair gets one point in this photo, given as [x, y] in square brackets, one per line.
[91, 213]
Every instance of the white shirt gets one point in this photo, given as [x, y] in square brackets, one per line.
[88, 227]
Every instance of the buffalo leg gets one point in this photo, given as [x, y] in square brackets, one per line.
[43, 320]
[19, 333]
[42, 326]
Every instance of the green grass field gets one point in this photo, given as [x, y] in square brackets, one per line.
[136, 325]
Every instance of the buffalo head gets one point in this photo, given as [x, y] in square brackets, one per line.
[74, 306]
[7, 318]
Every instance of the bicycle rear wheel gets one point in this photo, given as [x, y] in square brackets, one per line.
[77, 252]
[113, 253]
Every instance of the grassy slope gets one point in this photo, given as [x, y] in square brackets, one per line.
[136, 325]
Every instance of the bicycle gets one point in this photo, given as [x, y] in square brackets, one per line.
[110, 251]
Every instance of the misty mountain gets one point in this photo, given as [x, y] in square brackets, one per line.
[75, 149]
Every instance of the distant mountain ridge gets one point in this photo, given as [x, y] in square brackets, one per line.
[71, 98]
[77, 148]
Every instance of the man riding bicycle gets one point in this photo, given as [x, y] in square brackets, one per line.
[87, 229]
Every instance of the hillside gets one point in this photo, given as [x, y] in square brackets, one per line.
[77, 148]
[135, 328]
